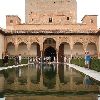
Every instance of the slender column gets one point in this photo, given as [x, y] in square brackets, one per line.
[28, 48]
[85, 46]
[57, 79]
[64, 69]
[41, 56]
[28, 79]
[99, 48]
[71, 55]
[2, 79]
[41, 80]
[57, 56]
[71, 79]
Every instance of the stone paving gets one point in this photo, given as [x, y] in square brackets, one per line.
[2, 68]
[92, 73]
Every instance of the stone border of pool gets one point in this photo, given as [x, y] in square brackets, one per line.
[2, 68]
[92, 73]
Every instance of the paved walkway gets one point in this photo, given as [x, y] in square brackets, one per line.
[2, 68]
[89, 72]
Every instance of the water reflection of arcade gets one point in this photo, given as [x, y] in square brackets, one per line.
[46, 76]
[49, 75]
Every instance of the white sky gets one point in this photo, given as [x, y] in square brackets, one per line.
[17, 7]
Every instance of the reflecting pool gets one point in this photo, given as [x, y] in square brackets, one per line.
[47, 81]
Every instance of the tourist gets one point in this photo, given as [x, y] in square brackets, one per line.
[6, 59]
[87, 81]
[16, 60]
[20, 58]
[87, 59]
[65, 59]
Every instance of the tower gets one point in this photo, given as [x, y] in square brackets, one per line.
[50, 11]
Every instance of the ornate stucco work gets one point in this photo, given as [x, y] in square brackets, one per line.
[71, 40]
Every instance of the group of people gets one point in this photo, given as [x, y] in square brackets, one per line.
[17, 59]
[5, 59]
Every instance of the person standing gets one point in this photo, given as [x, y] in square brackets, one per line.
[87, 59]
[20, 58]
[6, 59]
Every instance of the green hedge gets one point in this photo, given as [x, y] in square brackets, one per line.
[11, 62]
[95, 63]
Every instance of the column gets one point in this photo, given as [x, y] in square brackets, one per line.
[57, 56]
[41, 56]
[99, 48]
[28, 78]
[71, 55]
[57, 79]
[41, 80]
[71, 79]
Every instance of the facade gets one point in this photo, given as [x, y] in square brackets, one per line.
[50, 29]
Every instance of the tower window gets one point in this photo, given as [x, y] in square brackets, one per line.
[50, 20]
[91, 20]
[68, 1]
[67, 18]
[11, 21]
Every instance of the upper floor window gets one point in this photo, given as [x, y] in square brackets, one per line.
[11, 21]
[91, 20]
[67, 18]
[50, 20]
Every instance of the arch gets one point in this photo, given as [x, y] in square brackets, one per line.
[67, 49]
[78, 49]
[49, 41]
[22, 49]
[11, 49]
[35, 49]
[49, 46]
[50, 52]
[92, 48]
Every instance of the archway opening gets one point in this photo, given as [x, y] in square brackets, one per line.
[11, 49]
[50, 52]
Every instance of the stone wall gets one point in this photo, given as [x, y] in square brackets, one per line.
[49, 8]
[1, 45]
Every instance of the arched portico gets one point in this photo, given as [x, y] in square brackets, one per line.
[49, 48]
[11, 49]
[50, 52]
[22, 49]
[35, 49]
[65, 45]
[92, 48]
[78, 49]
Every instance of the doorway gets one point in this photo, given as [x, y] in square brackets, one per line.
[50, 52]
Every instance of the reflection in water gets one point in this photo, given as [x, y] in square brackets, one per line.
[49, 75]
[49, 78]
[87, 81]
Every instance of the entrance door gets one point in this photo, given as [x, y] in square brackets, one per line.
[50, 52]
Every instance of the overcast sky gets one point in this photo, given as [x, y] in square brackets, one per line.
[17, 7]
